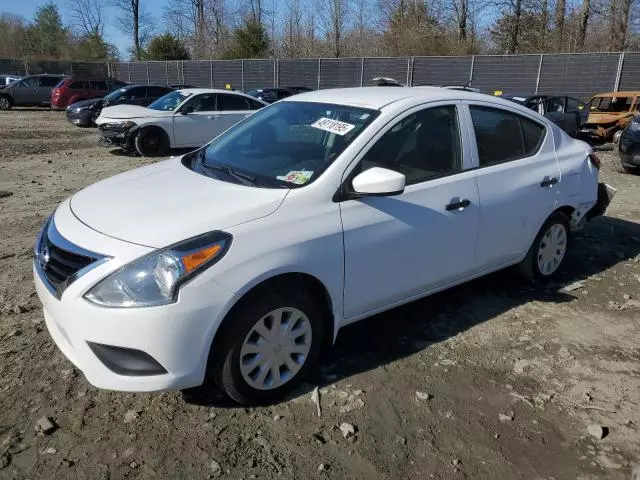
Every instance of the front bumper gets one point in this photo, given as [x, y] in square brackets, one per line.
[116, 136]
[81, 119]
[177, 337]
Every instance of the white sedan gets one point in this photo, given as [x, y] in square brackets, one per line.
[186, 118]
[237, 262]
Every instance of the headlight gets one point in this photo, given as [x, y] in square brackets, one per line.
[156, 278]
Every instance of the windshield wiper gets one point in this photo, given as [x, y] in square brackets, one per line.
[241, 177]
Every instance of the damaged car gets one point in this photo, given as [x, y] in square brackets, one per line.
[629, 148]
[609, 115]
[186, 118]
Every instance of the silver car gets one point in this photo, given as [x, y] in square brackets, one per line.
[32, 90]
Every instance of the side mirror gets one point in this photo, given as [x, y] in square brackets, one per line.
[186, 110]
[379, 182]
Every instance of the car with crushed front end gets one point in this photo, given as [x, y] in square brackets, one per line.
[186, 118]
[86, 112]
[609, 115]
[236, 263]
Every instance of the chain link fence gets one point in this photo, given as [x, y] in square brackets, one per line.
[579, 75]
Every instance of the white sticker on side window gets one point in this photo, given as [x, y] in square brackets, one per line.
[333, 126]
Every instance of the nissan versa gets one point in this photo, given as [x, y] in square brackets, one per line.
[236, 263]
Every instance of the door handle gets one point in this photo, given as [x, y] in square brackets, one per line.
[457, 204]
[548, 182]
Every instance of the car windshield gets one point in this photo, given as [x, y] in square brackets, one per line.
[169, 102]
[610, 104]
[116, 94]
[286, 145]
[254, 93]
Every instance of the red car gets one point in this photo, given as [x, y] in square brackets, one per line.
[72, 90]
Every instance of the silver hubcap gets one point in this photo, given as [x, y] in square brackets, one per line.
[4, 103]
[552, 249]
[276, 348]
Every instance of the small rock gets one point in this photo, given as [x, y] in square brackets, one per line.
[564, 352]
[505, 418]
[5, 460]
[496, 436]
[573, 286]
[315, 398]
[401, 440]
[215, 467]
[423, 396]
[5, 193]
[597, 431]
[213, 415]
[630, 304]
[520, 366]
[449, 414]
[45, 425]
[626, 296]
[50, 451]
[347, 429]
[277, 417]
[133, 465]
[323, 467]
[130, 416]
[455, 462]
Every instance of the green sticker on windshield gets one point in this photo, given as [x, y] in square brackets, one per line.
[299, 177]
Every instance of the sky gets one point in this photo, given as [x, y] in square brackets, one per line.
[27, 9]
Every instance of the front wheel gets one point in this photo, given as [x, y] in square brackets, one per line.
[151, 142]
[272, 341]
[549, 249]
[5, 102]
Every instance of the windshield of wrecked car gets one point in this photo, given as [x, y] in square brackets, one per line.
[169, 102]
[611, 104]
[288, 144]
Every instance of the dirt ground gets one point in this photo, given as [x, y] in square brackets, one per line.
[491, 380]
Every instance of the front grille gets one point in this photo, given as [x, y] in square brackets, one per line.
[59, 261]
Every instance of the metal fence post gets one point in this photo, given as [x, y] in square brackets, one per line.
[473, 61]
[539, 72]
[275, 72]
[318, 74]
[129, 71]
[148, 82]
[410, 71]
[619, 72]
[166, 73]
[362, 72]
[408, 79]
[108, 69]
[242, 75]
[211, 72]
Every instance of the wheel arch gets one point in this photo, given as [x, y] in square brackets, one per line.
[309, 282]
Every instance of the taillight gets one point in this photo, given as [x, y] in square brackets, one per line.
[595, 160]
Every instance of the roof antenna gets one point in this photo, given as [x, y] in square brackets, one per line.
[468, 84]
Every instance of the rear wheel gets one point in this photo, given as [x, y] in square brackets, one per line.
[273, 339]
[548, 250]
[5, 102]
[151, 142]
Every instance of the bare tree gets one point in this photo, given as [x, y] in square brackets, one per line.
[87, 16]
[134, 20]
[362, 22]
[623, 24]
[584, 21]
[460, 9]
[335, 19]
[560, 14]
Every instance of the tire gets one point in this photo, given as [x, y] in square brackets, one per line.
[541, 261]
[151, 142]
[5, 102]
[241, 339]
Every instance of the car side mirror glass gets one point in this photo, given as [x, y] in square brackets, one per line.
[186, 110]
[379, 181]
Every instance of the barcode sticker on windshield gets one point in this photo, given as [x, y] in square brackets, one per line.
[333, 126]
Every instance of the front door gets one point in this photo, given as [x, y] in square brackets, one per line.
[402, 246]
[199, 125]
[231, 109]
[518, 182]
[25, 92]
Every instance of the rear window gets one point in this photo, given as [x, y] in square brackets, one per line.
[99, 85]
[49, 81]
[230, 102]
[611, 104]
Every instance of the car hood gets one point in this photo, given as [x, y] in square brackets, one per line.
[85, 103]
[604, 117]
[165, 202]
[128, 112]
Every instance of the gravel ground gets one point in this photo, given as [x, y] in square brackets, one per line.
[493, 379]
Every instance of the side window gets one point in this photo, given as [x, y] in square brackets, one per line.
[253, 105]
[99, 85]
[49, 81]
[423, 145]
[31, 82]
[137, 92]
[573, 105]
[78, 86]
[229, 102]
[502, 136]
[157, 92]
[203, 103]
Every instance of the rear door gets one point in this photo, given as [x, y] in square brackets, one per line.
[45, 85]
[231, 108]
[577, 113]
[555, 110]
[518, 182]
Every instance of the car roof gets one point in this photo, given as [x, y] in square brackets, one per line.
[627, 93]
[194, 91]
[379, 97]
